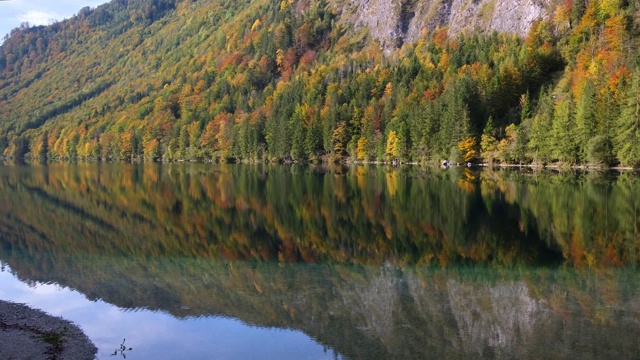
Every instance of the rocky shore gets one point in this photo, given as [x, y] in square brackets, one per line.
[27, 333]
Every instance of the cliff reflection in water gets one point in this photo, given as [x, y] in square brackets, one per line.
[374, 263]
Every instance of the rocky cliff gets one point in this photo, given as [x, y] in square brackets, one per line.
[395, 22]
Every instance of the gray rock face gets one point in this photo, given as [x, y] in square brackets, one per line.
[503, 16]
[394, 22]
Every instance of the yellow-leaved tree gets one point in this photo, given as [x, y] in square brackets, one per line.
[361, 149]
[507, 144]
[393, 146]
[468, 148]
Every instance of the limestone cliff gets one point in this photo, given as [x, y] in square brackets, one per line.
[394, 22]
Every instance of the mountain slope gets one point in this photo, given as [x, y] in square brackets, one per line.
[314, 80]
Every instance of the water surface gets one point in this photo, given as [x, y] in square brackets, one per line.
[242, 262]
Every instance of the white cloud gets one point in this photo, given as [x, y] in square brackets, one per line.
[36, 17]
[38, 12]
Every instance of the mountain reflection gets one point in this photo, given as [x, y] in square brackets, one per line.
[373, 262]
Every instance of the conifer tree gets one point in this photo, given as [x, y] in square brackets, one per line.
[522, 139]
[313, 140]
[565, 147]
[577, 10]
[526, 108]
[540, 140]
[296, 127]
[627, 132]
[586, 118]
[488, 142]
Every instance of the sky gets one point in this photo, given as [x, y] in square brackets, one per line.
[38, 12]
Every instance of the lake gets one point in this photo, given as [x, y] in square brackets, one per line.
[197, 261]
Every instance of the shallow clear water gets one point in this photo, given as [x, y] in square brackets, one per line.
[151, 334]
[244, 262]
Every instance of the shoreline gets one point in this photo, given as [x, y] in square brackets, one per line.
[533, 166]
[500, 166]
[28, 333]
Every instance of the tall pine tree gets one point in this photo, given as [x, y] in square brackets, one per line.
[586, 118]
[627, 131]
[565, 147]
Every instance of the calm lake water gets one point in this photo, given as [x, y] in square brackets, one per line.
[277, 262]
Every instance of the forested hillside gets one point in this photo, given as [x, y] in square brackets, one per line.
[294, 81]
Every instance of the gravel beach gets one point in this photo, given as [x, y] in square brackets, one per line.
[27, 333]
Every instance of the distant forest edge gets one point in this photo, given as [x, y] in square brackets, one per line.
[263, 80]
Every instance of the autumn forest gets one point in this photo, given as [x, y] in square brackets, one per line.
[261, 80]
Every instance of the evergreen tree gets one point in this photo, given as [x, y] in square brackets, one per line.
[586, 118]
[297, 135]
[600, 150]
[577, 10]
[522, 140]
[565, 147]
[627, 131]
[526, 108]
[313, 140]
[488, 141]
[277, 136]
[400, 125]
[540, 140]
[454, 122]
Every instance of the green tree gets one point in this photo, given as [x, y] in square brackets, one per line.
[540, 143]
[565, 145]
[586, 118]
[488, 141]
[297, 135]
[313, 141]
[627, 132]
[600, 151]
[455, 121]
[577, 10]
[522, 140]
[526, 107]
[183, 143]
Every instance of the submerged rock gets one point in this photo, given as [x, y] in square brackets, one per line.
[27, 333]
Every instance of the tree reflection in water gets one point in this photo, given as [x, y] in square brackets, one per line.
[373, 262]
